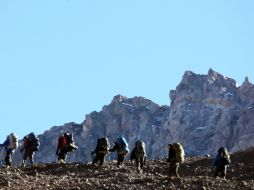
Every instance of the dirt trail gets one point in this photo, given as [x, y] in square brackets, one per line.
[196, 173]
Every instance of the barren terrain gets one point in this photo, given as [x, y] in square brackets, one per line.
[196, 173]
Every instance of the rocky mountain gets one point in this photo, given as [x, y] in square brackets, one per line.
[206, 112]
[195, 173]
[209, 111]
[135, 118]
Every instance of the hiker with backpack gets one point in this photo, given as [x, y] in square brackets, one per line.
[30, 145]
[139, 155]
[10, 144]
[175, 157]
[65, 145]
[221, 162]
[101, 150]
[122, 148]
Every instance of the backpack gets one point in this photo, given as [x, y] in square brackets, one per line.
[140, 149]
[62, 141]
[103, 144]
[123, 145]
[223, 157]
[179, 152]
[224, 160]
[69, 138]
[13, 141]
[34, 142]
[68, 142]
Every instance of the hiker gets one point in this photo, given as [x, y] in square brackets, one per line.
[10, 144]
[175, 157]
[221, 162]
[30, 145]
[65, 145]
[101, 150]
[122, 149]
[139, 155]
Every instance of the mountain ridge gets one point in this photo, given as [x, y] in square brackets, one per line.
[206, 112]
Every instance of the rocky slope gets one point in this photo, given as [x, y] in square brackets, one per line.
[209, 111]
[195, 173]
[206, 112]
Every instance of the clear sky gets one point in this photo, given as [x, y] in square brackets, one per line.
[62, 59]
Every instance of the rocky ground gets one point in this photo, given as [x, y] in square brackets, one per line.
[195, 173]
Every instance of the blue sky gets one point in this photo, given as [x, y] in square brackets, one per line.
[62, 59]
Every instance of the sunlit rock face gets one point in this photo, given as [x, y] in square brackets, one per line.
[209, 111]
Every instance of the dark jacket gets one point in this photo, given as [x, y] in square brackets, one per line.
[99, 148]
[171, 154]
[62, 141]
[222, 159]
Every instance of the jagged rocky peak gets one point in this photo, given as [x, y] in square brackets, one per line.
[246, 83]
[246, 91]
[213, 76]
[196, 87]
[189, 77]
[191, 82]
[209, 108]
[135, 102]
[212, 73]
[188, 73]
[246, 80]
[118, 98]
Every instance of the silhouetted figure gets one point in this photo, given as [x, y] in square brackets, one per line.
[10, 144]
[175, 157]
[221, 162]
[121, 147]
[101, 150]
[30, 145]
[139, 155]
[65, 145]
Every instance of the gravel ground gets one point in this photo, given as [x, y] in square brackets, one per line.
[196, 173]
